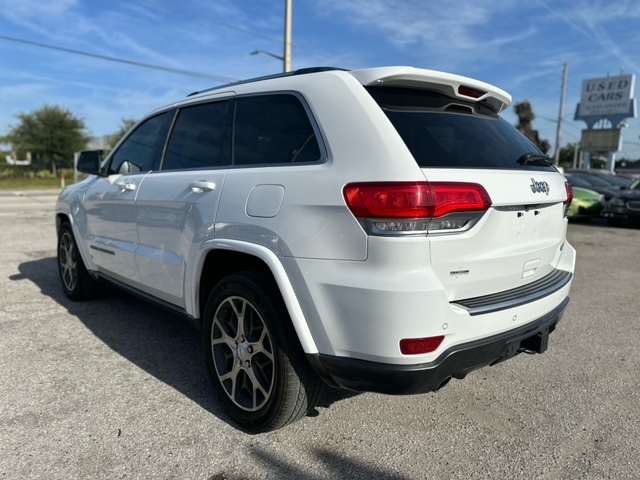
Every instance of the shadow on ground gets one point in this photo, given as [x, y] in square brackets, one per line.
[162, 343]
[337, 466]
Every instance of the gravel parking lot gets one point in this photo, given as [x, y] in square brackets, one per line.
[116, 388]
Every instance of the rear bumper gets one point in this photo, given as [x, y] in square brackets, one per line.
[456, 362]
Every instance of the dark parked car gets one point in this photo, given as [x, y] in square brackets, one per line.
[593, 182]
[611, 179]
[617, 180]
[625, 207]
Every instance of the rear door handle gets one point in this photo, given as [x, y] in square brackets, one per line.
[202, 186]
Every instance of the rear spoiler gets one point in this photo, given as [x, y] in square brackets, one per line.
[454, 86]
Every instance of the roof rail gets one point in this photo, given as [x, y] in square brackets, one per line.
[300, 71]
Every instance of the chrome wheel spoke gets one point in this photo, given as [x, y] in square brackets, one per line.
[229, 380]
[258, 392]
[262, 370]
[263, 345]
[239, 311]
[224, 339]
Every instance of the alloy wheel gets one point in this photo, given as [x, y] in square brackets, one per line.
[67, 257]
[243, 353]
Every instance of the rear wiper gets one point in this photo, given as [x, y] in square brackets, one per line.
[532, 158]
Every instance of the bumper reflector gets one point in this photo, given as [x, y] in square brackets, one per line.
[417, 346]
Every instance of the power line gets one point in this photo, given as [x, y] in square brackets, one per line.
[217, 78]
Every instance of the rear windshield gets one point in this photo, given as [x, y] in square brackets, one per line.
[444, 132]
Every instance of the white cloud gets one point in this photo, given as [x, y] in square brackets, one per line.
[441, 26]
[594, 18]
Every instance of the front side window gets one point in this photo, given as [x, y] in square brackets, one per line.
[273, 129]
[141, 151]
[198, 139]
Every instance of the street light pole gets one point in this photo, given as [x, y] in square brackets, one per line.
[286, 58]
[287, 35]
[256, 52]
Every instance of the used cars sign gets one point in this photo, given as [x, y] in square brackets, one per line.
[606, 96]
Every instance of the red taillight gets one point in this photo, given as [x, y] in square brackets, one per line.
[569, 199]
[390, 199]
[459, 197]
[417, 346]
[398, 208]
[415, 199]
[470, 91]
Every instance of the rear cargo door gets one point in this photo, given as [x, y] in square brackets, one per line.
[518, 240]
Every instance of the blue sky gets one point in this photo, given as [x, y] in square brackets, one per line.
[518, 46]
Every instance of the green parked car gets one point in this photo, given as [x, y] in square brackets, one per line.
[585, 205]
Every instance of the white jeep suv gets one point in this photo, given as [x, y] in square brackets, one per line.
[375, 230]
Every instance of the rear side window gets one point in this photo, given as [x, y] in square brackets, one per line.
[444, 132]
[198, 139]
[273, 129]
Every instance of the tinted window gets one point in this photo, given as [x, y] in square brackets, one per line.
[617, 180]
[444, 132]
[141, 151]
[198, 138]
[594, 180]
[273, 129]
[576, 181]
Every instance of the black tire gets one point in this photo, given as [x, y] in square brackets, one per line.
[254, 359]
[77, 283]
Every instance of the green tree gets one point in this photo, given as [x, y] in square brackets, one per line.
[52, 134]
[567, 154]
[125, 126]
[525, 125]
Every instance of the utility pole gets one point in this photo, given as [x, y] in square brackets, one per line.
[287, 35]
[556, 157]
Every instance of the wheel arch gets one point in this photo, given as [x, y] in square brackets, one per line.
[61, 218]
[224, 257]
[66, 217]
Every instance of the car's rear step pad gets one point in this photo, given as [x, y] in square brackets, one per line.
[516, 296]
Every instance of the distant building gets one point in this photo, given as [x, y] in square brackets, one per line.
[100, 143]
[12, 159]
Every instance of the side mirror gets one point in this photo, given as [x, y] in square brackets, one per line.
[89, 162]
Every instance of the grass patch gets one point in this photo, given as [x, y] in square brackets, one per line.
[30, 183]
